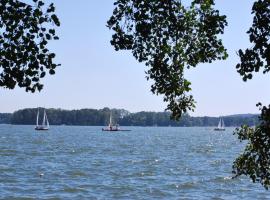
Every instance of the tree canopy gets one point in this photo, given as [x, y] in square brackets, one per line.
[169, 38]
[257, 57]
[255, 160]
[24, 34]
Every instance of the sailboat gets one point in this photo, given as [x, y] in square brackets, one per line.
[112, 127]
[221, 125]
[45, 123]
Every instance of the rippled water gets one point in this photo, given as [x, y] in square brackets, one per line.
[146, 163]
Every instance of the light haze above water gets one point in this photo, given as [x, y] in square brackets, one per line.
[93, 75]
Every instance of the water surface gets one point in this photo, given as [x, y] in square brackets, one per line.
[147, 163]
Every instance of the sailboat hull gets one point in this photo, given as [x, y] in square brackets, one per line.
[41, 129]
[105, 129]
[219, 129]
[113, 128]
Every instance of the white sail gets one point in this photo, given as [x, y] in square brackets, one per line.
[220, 123]
[44, 119]
[45, 122]
[110, 124]
[37, 117]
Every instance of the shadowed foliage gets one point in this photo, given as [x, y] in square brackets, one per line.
[24, 34]
[255, 160]
[169, 38]
[258, 56]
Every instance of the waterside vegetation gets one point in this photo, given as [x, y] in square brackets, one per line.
[100, 117]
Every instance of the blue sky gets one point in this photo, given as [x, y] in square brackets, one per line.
[93, 75]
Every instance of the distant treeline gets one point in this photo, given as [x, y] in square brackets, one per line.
[94, 117]
[5, 118]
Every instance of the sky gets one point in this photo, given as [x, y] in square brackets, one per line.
[93, 75]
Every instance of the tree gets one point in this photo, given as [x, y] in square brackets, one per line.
[24, 34]
[255, 160]
[169, 38]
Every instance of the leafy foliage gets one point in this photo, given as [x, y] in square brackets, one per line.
[255, 160]
[257, 57]
[169, 38]
[24, 34]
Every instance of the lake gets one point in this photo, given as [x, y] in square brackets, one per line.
[69, 162]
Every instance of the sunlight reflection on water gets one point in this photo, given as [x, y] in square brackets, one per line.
[146, 163]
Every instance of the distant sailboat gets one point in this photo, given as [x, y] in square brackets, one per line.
[112, 127]
[221, 125]
[45, 123]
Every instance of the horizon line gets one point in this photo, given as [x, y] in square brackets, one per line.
[190, 114]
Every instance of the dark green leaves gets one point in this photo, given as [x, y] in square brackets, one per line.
[24, 57]
[169, 38]
[257, 57]
[255, 160]
[55, 20]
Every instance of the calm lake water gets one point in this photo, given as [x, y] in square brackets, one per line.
[146, 163]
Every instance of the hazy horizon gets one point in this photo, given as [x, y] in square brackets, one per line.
[191, 114]
[93, 75]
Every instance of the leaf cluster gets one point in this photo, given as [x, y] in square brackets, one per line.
[255, 160]
[25, 31]
[258, 56]
[169, 38]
